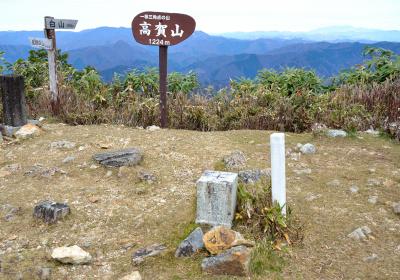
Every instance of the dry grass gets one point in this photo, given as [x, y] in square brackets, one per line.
[354, 108]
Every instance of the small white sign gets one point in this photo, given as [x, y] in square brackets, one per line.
[41, 43]
[53, 23]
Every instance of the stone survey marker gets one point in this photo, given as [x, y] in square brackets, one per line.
[216, 198]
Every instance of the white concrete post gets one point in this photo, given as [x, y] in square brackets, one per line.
[278, 172]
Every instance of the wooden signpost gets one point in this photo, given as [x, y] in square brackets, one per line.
[163, 30]
[51, 24]
[41, 43]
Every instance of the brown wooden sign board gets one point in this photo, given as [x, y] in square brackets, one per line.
[162, 29]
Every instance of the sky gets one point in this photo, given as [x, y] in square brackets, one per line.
[212, 16]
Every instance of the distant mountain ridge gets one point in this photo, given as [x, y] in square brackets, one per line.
[216, 59]
[329, 34]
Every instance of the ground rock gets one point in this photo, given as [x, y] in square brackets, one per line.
[234, 261]
[333, 183]
[373, 182]
[44, 273]
[236, 159]
[133, 276]
[253, 176]
[372, 132]
[220, 238]
[10, 211]
[46, 172]
[191, 244]
[396, 208]
[373, 199]
[38, 123]
[14, 167]
[50, 212]
[336, 133]
[360, 233]
[68, 159]
[27, 131]
[63, 144]
[140, 255]
[371, 258]
[311, 196]
[308, 149]
[71, 255]
[9, 131]
[126, 157]
[153, 128]
[147, 177]
[306, 171]
[354, 189]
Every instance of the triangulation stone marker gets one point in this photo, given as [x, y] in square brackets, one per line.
[216, 198]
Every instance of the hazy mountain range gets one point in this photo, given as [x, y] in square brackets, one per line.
[215, 58]
[331, 34]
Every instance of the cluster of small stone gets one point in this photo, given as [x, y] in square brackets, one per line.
[229, 251]
[31, 129]
[51, 212]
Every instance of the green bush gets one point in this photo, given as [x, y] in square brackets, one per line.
[290, 100]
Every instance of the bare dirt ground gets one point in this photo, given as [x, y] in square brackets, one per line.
[114, 215]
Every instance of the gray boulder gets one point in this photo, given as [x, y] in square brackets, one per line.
[234, 261]
[308, 149]
[336, 133]
[191, 244]
[71, 255]
[9, 131]
[360, 233]
[253, 176]
[50, 212]
[126, 157]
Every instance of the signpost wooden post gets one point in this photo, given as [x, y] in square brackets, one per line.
[51, 24]
[163, 30]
